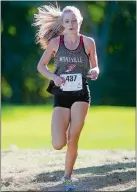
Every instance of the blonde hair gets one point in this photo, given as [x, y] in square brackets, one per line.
[49, 22]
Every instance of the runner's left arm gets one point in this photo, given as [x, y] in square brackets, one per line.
[94, 69]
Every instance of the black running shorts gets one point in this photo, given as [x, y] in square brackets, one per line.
[67, 100]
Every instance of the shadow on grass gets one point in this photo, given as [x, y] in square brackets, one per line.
[98, 177]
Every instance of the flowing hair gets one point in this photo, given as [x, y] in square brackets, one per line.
[49, 22]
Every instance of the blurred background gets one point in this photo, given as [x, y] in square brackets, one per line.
[27, 107]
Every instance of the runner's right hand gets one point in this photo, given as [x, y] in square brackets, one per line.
[58, 80]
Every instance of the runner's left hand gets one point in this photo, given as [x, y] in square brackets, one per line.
[93, 73]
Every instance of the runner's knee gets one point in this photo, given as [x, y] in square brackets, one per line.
[58, 146]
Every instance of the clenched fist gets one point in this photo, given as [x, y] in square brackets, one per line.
[93, 73]
[58, 80]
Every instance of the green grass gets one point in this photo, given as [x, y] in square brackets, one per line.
[105, 127]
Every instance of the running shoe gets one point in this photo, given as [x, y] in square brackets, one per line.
[68, 185]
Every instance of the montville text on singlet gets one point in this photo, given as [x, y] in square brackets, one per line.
[70, 59]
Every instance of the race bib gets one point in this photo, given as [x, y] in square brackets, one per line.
[73, 82]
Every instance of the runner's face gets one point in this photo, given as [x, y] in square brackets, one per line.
[70, 23]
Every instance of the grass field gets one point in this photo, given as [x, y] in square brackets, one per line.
[105, 127]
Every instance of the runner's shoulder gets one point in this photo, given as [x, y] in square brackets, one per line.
[88, 41]
[54, 42]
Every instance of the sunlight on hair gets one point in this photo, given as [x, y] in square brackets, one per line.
[49, 22]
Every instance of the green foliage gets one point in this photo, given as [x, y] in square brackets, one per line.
[96, 13]
[122, 54]
[6, 89]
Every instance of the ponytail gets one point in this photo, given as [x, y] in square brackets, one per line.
[48, 21]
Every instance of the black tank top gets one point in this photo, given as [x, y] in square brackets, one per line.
[71, 61]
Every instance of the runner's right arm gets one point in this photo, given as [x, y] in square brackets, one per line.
[46, 57]
[44, 60]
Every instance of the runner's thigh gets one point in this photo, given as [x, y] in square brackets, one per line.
[59, 125]
[78, 114]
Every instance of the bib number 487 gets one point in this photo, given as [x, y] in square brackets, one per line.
[73, 82]
[71, 78]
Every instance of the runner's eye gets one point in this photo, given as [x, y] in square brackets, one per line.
[74, 20]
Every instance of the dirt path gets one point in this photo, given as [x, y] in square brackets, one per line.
[41, 170]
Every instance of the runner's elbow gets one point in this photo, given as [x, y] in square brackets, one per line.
[38, 68]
